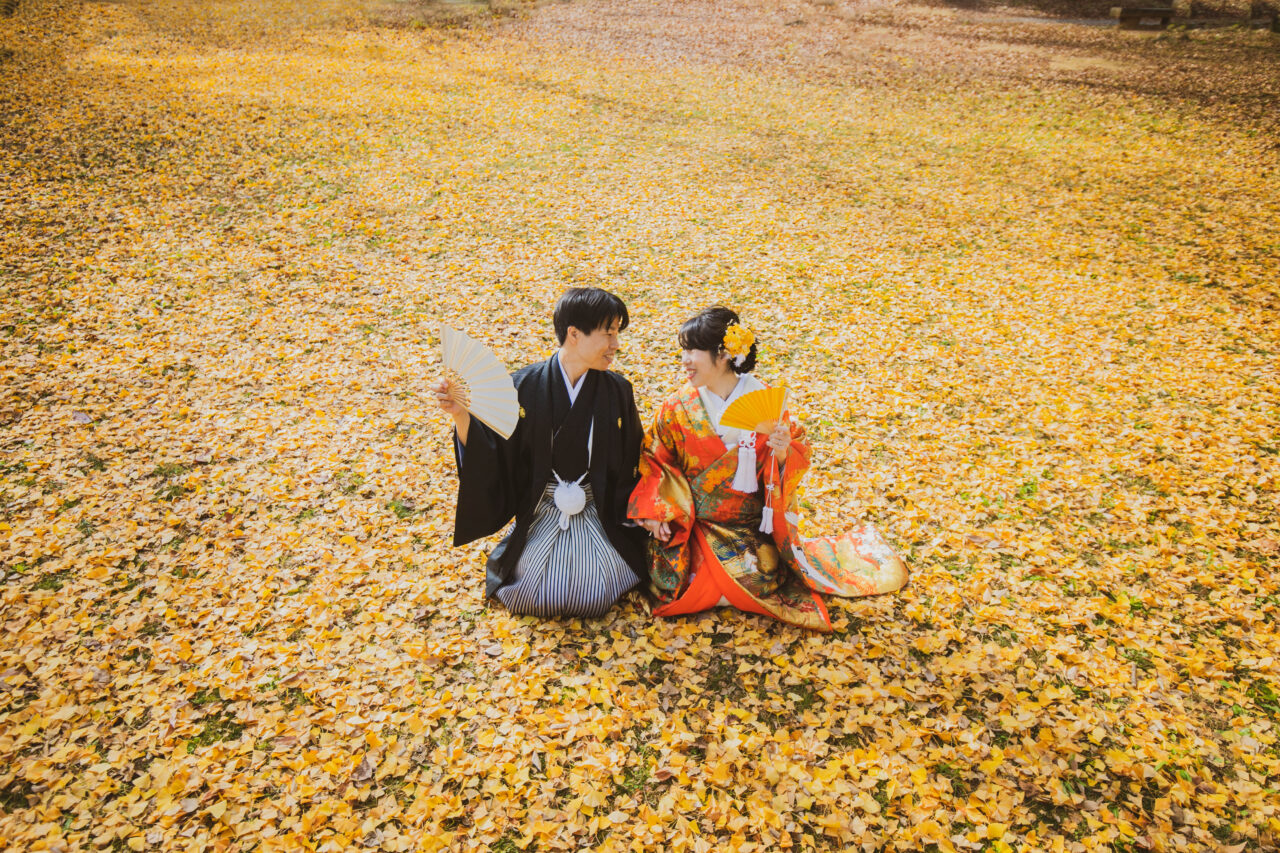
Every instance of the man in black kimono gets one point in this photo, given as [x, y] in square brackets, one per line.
[565, 474]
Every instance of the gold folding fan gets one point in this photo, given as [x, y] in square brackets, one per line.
[758, 411]
[490, 394]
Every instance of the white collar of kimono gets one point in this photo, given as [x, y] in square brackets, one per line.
[715, 406]
[572, 387]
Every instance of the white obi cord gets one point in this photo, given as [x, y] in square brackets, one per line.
[744, 477]
[569, 496]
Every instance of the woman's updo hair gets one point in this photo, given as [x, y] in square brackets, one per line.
[705, 331]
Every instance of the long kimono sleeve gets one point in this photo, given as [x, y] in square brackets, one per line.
[855, 563]
[663, 492]
[788, 475]
[633, 439]
[487, 488]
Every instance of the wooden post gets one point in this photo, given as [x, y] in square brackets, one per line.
[1266, 9]
[1131, 17]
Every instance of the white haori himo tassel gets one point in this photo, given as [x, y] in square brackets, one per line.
[766, 519]
[570, 498]
[744, 479]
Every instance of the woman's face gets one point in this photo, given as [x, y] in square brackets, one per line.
[702, 367]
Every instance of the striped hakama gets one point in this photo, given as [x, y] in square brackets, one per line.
[573, 572]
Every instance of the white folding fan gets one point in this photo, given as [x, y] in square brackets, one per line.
[489, 394]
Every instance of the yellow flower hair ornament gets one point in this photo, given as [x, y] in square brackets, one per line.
[737, 342]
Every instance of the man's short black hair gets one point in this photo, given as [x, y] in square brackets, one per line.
[588, 309]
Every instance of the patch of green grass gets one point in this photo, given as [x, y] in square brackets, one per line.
[183, 534]
[395, 786]
[168, 471]
[349, 481]
[1002, 635]
[881, 793]
[216, 729]
[1262, 694]
[402, 508]
[722, 677]
[53, 581]
[636, 777]
[1141, 658]
[151, 627]
[467, 619]
[171, 491]
[505, 844]
[12, 468]
[805, 695]
[293, 697]
[850, 740]
[959, 786]
[16, 795]
[48, 487]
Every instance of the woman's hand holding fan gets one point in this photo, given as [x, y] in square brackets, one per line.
[780, 440]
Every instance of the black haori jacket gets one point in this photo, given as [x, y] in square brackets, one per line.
[504, 478]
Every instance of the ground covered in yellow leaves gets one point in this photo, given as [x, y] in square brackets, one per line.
[1033, 328]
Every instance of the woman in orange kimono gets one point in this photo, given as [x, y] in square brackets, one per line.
[721, 503]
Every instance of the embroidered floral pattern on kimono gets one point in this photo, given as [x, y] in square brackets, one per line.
[716, 551]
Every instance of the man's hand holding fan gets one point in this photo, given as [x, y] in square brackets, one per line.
[482, 389]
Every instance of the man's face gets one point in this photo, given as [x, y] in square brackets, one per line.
[596, 349]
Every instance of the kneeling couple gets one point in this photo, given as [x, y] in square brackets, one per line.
[584, 484]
